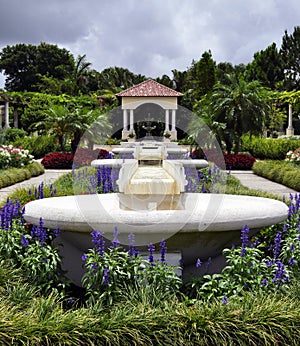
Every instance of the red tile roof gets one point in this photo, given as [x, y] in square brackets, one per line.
[149, 88]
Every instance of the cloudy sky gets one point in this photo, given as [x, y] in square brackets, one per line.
[150, 37]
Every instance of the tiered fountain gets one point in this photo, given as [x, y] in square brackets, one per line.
[153, 205]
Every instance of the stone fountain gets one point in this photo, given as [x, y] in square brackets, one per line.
[153, 205]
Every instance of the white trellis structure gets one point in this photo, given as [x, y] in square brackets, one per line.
[149, 91]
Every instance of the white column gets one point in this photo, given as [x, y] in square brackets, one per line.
[6, 115]
[16, 118]
[131, 120]
[290, 129]
[167, 121]
[125, 120]
[1, 113]
[173, 119]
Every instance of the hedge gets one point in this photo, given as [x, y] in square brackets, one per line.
[279, 171]
[269, 148]
[12, 176]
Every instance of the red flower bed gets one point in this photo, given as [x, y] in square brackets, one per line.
[86, 156]
[239, 161]
[65, 160]
[232, 161]
[58, 160]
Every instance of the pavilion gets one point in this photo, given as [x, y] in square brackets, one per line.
[149, 91]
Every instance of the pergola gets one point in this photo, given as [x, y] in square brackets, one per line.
[149, 91]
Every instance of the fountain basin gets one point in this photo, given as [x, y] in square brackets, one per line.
[202, 228]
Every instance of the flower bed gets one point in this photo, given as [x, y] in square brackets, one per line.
[293, 156]
[82, 157]
[239, 161]
[232, 161]
[11, 156]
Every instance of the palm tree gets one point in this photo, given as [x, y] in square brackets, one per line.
[90, 126]
[241, 107]
[72, 125]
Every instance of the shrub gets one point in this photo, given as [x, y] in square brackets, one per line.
[14, 157]
[239, 161]
[269, 148]
[58, 160]
[84, 156]
[232, 161]
[15, 175]
[293, 156]
[12, 134]
[114, 271]
[65, 160]
[281, 172]
[38, 146]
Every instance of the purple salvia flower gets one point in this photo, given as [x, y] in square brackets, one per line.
[269, 263]
[198, 263]
[151, 249]
[291, 262]
[280, 275]
[106, 276]
[224, 300]
[131, 250]
[264, 282]
[84, 257]
[94, 266]
[115, 241]
[244, 238]
[24, 241]
[163, 251]
[208, 263]
[277, 244]
[98, 241]
[56, 232]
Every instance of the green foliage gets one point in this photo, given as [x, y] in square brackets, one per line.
[38, 146]
[14, 175]
[279, 171]
[25, 63]
[267, 67]
[268, 148]
[113, 273]
[233, 110]
[205, 77]
[39, 259]
[12, 134]
[290, 55]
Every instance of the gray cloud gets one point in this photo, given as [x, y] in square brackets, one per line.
[150, 37]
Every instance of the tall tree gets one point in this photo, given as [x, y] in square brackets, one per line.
[204, 75]
[267, 67]
[290, 53]
[24, 65]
